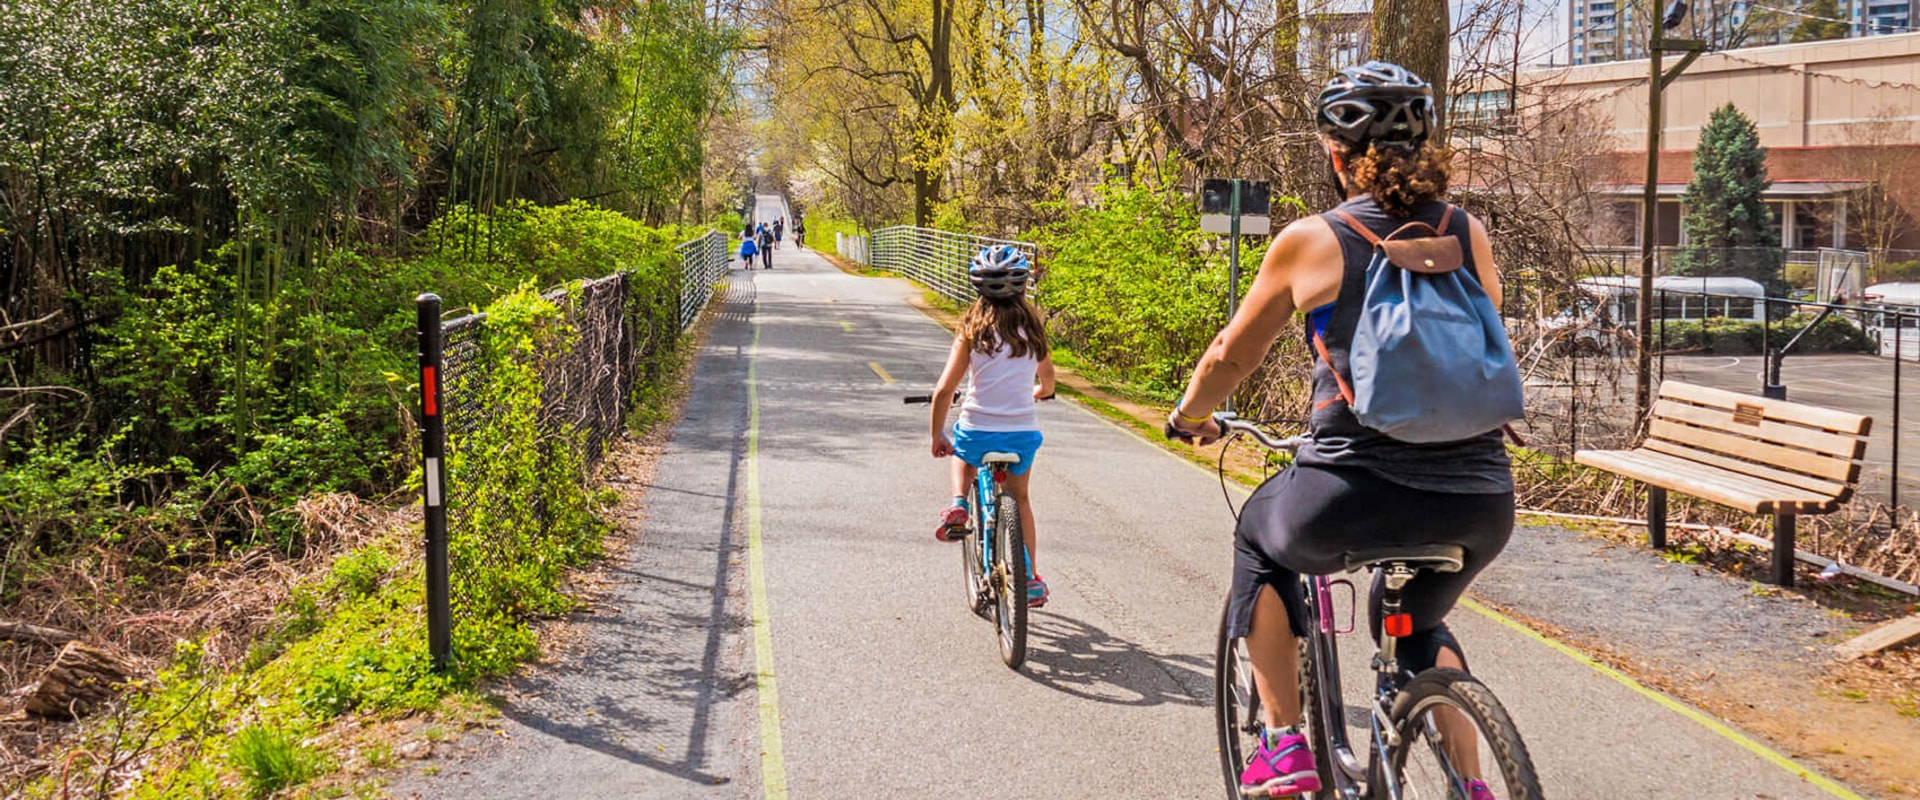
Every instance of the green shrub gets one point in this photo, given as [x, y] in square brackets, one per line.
[272, 760]
[1131, 283]
[1726, 336]
[1893, 271]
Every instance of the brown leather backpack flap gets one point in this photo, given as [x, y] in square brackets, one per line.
[1432, 255]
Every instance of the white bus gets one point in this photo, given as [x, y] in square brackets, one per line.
[1902, 297]
[1604, 314]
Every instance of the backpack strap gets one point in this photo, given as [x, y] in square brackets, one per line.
[1346, 391]
[1431, 253]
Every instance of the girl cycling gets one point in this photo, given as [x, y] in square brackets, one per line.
[1001, 350]
[1352, 486]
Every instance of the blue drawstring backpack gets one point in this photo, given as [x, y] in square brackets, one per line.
[1430, 360]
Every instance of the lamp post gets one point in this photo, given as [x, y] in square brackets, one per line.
[1657, 81]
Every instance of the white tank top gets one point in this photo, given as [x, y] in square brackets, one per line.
[1000, 393]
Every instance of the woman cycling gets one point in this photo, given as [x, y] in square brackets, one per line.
[1352, 486]
[1001, 349]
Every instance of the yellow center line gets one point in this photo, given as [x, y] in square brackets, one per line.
[846, 326]
[773, 762]
[828, 299]
[877, 370]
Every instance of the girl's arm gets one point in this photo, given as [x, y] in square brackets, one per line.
[957, 360]
[1044, 388]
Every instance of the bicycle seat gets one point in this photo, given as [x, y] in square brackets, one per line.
[1000, 458]
[1436, 557]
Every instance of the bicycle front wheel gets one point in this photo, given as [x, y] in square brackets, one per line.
[1453, 731]
[1010, 575]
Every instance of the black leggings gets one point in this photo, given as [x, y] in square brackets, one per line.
[1304, 519]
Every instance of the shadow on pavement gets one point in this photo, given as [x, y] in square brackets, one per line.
[1084, 661]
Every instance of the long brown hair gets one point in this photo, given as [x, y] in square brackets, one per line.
[1399, 180]
[1014, 322]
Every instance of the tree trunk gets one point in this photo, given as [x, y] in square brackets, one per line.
[1413, 34]
[39, 634]
[80, 679]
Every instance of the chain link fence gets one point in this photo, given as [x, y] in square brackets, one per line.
[936, 259]
[610, 339]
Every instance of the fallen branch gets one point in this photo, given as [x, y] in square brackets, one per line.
[39, 634]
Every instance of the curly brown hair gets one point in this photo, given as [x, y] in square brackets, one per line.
[1399, 180]
[1014, 321]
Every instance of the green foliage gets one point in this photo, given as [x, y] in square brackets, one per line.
[1820, 20]
[1730, 231]
[1897, 271]
[1725, 336]
[1132, 283]
[271, 760]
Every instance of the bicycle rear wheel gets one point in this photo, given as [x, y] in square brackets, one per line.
[1432, 713]
[1010, 577]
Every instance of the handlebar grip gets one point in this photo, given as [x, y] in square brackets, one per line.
[1175, 434]
[918, 398]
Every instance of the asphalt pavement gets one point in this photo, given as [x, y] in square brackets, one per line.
[792, 629]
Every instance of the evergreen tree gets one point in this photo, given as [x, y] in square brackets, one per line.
[1729, 228]
[1820, 20]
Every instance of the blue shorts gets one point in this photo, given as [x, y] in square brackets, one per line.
[971, 446]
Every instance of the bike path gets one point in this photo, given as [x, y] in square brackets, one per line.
[888, 686]
[790, 521]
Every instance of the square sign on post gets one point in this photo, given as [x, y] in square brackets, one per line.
[1217, 211]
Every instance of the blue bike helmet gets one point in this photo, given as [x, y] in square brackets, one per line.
[999, 271]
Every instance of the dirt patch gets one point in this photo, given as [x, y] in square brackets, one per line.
[1746, 651]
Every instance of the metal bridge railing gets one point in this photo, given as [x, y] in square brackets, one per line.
[934, 258]
[703, 261]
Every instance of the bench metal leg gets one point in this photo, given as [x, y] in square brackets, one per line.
[1783, 549]
[1656, 517]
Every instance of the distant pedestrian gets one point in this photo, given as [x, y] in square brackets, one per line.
[800, 232]
[766, 247]
[779, 229]
[748, 249]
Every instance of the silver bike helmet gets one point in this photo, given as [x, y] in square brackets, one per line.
[1377, 103]
[999, 271]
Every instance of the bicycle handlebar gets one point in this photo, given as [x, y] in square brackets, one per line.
[927, 398]
[1232, 425]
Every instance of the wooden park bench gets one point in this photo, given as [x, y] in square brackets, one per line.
[1750, 453]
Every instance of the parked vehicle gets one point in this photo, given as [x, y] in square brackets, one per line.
[1603, 316]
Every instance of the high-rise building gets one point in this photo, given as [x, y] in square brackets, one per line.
[1616, 30]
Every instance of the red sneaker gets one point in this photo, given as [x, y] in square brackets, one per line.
[953, 524]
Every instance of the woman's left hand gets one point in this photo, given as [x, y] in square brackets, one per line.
[1204, 434]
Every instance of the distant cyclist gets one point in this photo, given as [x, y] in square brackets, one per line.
[800, 232]
[1352, 487]
[1001, 350]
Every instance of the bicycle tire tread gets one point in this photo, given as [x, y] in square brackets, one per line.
[1490, 718]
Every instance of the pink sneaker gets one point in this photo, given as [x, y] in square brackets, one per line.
[953, 524]
[1477, 790]
[1283, 768]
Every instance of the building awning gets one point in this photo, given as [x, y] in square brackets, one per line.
[1780, 190]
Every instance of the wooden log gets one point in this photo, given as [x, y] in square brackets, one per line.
[39, 634]
[1891, 634]
[80, 679]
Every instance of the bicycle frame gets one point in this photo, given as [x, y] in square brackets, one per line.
[985, 479]
[1390, 679]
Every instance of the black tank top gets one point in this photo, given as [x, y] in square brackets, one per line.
[1470, 466]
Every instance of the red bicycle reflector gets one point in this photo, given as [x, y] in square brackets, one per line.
[1399, 625]
[429, 391]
